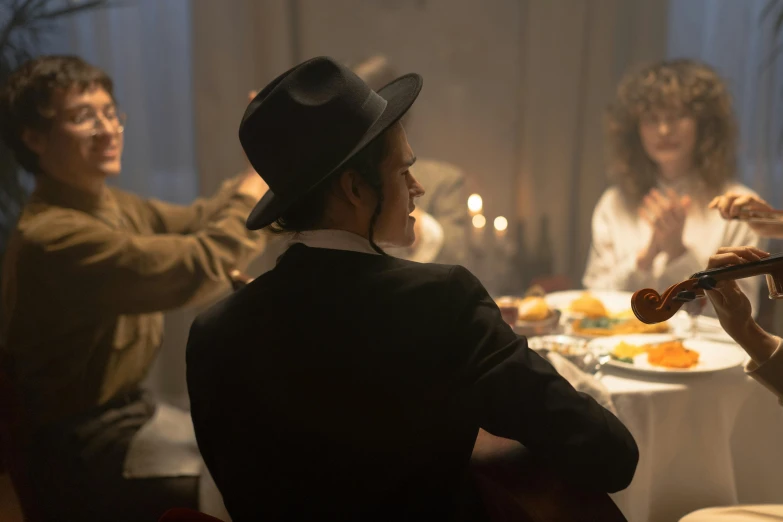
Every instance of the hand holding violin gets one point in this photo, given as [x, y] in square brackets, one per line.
[733, 307]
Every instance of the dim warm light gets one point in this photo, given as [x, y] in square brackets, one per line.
[501, 223]
[475, 204]
[479, 221]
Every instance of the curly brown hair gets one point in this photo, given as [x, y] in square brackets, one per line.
[25, 99]
[686, 86]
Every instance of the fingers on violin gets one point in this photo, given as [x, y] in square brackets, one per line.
[736, 255]
[741, 249]
[725, 259]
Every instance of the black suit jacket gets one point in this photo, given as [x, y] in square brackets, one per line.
[351, 386]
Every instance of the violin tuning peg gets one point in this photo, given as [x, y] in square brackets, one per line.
[707, 282]
[685, 295]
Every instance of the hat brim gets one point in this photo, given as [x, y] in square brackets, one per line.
[399, 95]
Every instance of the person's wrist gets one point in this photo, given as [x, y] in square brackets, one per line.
[675, 251]
[757, 342]
[645, 258]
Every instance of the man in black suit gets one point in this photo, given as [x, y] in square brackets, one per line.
[345, 384]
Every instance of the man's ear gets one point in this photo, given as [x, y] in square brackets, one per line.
[34, 140]
[351, 188]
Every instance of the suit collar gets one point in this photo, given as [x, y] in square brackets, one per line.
[333, 240]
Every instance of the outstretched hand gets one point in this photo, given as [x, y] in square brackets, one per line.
[731, 204]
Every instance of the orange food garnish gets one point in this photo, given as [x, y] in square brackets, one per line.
[672, 354]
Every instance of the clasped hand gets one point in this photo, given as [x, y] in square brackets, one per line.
[666, 216]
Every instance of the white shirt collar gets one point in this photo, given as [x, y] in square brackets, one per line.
[333, 239]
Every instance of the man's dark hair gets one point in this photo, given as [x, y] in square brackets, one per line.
[25, 99]
[308, 213]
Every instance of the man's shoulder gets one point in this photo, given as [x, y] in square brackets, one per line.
[41, 224]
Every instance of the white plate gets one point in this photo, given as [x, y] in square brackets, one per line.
[614, 302]
[713, 356]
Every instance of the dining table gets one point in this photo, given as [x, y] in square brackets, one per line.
[705, 439]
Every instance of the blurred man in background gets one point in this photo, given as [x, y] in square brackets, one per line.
[88, 273]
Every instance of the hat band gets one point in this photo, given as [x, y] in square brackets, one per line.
[374, 104]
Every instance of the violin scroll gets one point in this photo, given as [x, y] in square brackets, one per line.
[650, 307]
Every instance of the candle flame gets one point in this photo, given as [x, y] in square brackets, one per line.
[475, 203]
[501, 223]
[479, 221]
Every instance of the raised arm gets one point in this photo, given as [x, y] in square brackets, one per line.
[170, 218]
[97, 266]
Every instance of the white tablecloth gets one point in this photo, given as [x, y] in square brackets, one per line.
[704, 440]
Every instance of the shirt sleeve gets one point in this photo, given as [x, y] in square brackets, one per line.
[518, 395]
[169, 218]
[770, 372]
[90, 263]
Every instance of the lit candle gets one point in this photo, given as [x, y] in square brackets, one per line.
[479, 222]
[475, 206]
[501, 225]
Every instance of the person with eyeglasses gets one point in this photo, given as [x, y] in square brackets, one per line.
[88, 272]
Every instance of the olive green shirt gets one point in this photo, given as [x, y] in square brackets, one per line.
[86, 279]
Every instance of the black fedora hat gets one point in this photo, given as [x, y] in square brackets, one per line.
[310, 121]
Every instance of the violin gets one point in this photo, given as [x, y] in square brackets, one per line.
[650, 307]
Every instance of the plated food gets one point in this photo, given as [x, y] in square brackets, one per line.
[530, 315]
[597, 321]
[588, 305]
[668, 354]
[534, 308]
[661, 353]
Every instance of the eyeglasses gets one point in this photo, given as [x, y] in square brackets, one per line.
[89, 122]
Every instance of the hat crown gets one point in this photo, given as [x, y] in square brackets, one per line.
[306, 121]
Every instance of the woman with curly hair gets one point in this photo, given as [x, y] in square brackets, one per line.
[672, 148]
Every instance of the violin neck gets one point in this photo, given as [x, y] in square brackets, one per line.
[770, 265]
